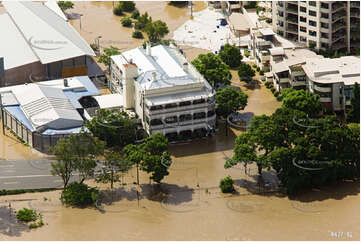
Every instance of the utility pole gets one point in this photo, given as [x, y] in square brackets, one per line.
[80, 15]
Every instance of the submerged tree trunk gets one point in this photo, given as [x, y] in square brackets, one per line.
[259, 166]
[137, 174]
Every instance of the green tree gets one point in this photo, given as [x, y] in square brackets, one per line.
[127, 6]
[135, 14]
[64, 166]
[156, 155]
[113, 127]
[142, 21]
[134, 154]
[108, 52]
[114, 168]
[302, 100]
[228, 101]
[214, 70]
[231, 55]
[178, 4]
[65, 5]
[156, 30]
[126, 22]
[79, 195]
[118, 10]
[245, 72]
[226, 185]
[353, 115]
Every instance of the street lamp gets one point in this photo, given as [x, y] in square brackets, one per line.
[97, 42]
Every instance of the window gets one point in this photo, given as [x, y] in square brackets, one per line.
[280, 23]
[324, 25]
[324, 15]
[303, 9]
[156, 122]
[185, 117]
[303, 19]
[324, 5]
[324, 35]
[181, 104]
[171, 120]
[211, 113]
[312, 13]
[171, 105]
[324, 45]
[303, 29]
[312, 23]
[340, 100]
[199, 101]
[312, 3]
[280, 13]
[312, 33]
[157, 107]
[303, 39]
[199, 115]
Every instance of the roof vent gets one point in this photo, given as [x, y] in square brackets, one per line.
[148, 49]
[66, 84]
[185, 66]
[154, 75]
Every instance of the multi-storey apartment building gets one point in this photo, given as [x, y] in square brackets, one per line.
[166, 92]
[332, 80]
[319, 24]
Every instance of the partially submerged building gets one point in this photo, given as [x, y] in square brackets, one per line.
[165, 91]
[41, 113]
[40, 44]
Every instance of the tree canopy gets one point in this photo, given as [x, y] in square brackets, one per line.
[353, 115]
[228, 101]
[231, 55]
[245, 72]
[302, 155]
[151, 156]
[105, 58]
[156, 30]
[65, 5]
[302, 100]
[114, 127]
[214, 70]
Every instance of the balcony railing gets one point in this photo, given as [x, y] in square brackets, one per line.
[338, 16]
[355, 14]
[338, 5]
[322, 89]
[337, 26]
[355, 4]
[292, 19]
[178, 108]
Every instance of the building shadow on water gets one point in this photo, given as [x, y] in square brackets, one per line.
[9, 225]
[254, 84]
[218, 142]
[172, 193]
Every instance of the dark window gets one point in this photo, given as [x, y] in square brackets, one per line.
[181, 104]
[303, 29]
[324, 45]
[280, 23]
[324, 35]
[171, 105]
[185, 117]
[280, 13]
[324, 5]
[157, 107]
[171, 120]
[199, 115]
[312, 13]
[312, 23]
[303, 19]
[199, 101]
[324, 15]
[312, 3]
[303, 9]
[211, 113]
[156, 122]
[324, 25]
[312, 33]
[303, 39]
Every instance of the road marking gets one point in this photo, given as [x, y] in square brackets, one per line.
[8, 183]
[8, 171]
[58, 181]
[6, 166]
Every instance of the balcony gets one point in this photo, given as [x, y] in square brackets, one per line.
[298, 83]
[285, 80]
[322, 89]
[355, 14]
[355, 4]
[338, 5]
[292, 19]
[292, 29]
[325, 99]
[178, 108]
[292, 8]
[339, 15]
[337, 26]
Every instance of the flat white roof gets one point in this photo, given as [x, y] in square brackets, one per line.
[277, 51]
[345, 69]
[110, 100]
[49, 35]
[168, 68]
[181, 97]
[53, 5]
[266, 31]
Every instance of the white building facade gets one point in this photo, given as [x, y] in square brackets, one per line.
[165, 91]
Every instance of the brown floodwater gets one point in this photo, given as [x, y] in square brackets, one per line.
[99, 20]
[192, 207]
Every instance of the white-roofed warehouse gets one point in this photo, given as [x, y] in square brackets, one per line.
[40, 44]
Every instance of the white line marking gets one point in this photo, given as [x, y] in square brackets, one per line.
[29, 176]
[58, 181]
[6, 166]
[8, 183]
[8, 171]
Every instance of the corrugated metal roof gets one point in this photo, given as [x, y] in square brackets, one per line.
[53, 39]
